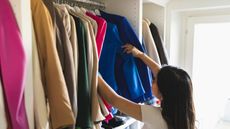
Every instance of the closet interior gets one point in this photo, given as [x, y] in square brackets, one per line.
[135, 11]
[39, 57]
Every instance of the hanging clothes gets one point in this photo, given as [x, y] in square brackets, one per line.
[73, 39]
[102, 25]
[70, 27]
[100, 36]
[12, 67]
[111, 47]
[90, 55]
[3, 122]
[92, 64]
[29, 87]
[41, 113]
[104, 109]
[68, 60]
[26, 40]
[159, 44]
[128, 35]
[49, 4]
[150, 46]
[84, 109]
[92, 21]
[52, 77]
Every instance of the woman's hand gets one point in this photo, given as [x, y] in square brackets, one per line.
[130, 49]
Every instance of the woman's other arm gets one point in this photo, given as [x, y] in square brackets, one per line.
[129, 108]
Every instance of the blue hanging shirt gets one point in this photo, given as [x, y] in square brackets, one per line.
[110, 48]
[127, 35]
[127, 83]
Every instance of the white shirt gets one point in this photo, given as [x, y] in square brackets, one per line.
[152, 118]
[149, 43]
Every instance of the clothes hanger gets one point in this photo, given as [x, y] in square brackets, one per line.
[97, 12]
[147, 20]
[83, 10]
[77, 9]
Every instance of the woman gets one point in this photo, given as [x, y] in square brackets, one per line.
[172, 86]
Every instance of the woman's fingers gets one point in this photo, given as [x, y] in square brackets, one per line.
[128, 48]
[126, 45]
[129, 51]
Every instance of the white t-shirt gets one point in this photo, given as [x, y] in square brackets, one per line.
[152, 118]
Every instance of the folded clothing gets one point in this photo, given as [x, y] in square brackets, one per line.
[114, 122]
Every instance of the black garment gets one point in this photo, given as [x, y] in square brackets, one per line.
[114, 122]
[160, 48]
[84, 120]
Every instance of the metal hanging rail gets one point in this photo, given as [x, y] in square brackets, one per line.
[89, 4]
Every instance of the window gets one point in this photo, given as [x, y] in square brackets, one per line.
[207, 58]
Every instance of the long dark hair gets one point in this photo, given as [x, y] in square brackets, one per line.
[177, 105]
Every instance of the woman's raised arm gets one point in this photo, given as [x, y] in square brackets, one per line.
[129, 108]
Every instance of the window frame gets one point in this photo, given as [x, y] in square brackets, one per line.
[189, 36]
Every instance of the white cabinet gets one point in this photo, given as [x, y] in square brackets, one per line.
[136, 10]
[156, 14]
[131, 9]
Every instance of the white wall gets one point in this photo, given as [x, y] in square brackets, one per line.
[131, 9]
[197, 4]
[156, 14]
[174, 48]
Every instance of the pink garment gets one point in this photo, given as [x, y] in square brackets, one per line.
[102, 25]
[12, 66]
[110, 116]
[101, 30]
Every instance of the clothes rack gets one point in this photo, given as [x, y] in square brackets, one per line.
[89, 4]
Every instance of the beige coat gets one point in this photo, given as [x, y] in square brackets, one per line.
[70, 27]
[41, 115]
[52, 76]
[73, 39]
[63, 27]
[149, 43]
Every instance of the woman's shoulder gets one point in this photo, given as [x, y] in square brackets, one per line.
[151, 116]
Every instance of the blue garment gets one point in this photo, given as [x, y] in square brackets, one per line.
[128, 35]
[107, 60]
[128, 84]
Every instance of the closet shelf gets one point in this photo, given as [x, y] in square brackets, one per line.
[158, 2]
